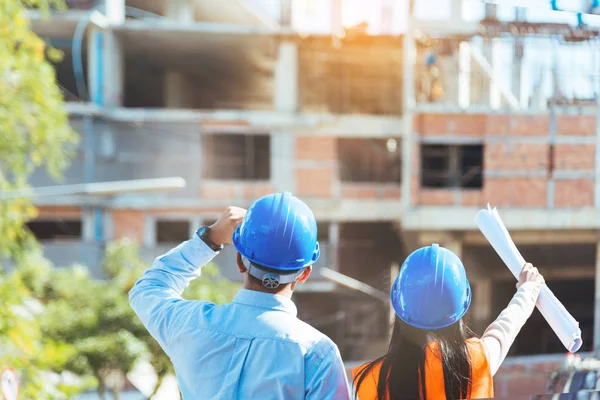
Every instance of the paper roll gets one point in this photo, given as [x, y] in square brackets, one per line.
[557, 316]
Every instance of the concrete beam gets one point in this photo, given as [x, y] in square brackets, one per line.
[597, 303]
[445, 28]
[563, 273]
[441, 108]
[548, 237]
[462, 218]
[328, 210]
[249, 121]
[482, 302]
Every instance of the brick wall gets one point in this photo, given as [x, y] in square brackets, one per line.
[521, 376]
[128, 223]
[316, 166]
[517, 161]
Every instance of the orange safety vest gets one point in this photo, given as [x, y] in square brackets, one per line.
[481, 375]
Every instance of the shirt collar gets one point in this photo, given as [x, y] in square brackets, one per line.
[265, 300]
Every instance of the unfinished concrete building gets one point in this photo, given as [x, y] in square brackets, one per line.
[395, 140]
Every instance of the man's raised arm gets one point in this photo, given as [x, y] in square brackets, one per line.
[156, 296]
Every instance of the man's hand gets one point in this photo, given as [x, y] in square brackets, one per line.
[529, 273]
[221, 232]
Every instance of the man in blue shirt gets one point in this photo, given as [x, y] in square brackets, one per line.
[254, 347]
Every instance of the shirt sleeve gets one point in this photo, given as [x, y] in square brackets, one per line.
[326, 377]
[501, 334]
[156, 296]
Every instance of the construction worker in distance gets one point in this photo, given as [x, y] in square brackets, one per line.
[433, 355]
[254, 347]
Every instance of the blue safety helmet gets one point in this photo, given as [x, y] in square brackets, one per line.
[432, 290]
[279, 232]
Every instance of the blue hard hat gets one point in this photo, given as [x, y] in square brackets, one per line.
[431, 291]
[279, 232]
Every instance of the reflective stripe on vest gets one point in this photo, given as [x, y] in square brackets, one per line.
[482, 387]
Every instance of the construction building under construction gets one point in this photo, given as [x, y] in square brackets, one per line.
[395, 136]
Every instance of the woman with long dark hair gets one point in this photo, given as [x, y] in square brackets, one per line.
[433, 355]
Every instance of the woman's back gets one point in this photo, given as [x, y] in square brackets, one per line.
[481, 376]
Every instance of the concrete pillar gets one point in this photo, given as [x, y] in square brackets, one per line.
[517, 72]
[387, 16]
[286, 100]
[597, 160]
[115, 11]
[597, 304]
[336, 16]
[490, 11]
[482, 303]
[286, 78]
[408, 100]
[285, 14]
[450, 65]
[178, 93]
[456, 12]
[496, 63]
[464, 77]
[105, 59]
[180, 11]
[334, 243]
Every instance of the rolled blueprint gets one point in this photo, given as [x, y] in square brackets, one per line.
[559, 319]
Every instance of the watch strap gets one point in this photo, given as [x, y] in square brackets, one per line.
[203, 235]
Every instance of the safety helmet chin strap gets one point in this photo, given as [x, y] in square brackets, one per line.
[270, 280]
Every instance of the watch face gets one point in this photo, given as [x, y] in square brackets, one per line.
[201, 232]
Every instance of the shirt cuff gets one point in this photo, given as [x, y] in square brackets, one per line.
[196, 252]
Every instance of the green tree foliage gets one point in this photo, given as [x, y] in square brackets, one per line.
[123, 265]
[52, 320]
[34, 128]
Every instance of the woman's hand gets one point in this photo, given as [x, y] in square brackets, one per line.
[529, 273]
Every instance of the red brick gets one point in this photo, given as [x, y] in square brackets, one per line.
[316, 148]
[472, 198]
[469, 124]
[573, 192]
[217, 191]
[517, 191]
[516, 156]
[357, 191]
[526, 385]
[436, 197]
[518, 125]
[255, 191]
[510, 369]
[129, 223]
[416, 157]
[544, 367]
[391, 192]
[574, 157]
[415, 190]
[316, 182]
[576, 125]
[451, 124]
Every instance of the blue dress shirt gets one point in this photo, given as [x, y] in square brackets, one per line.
[252, 348]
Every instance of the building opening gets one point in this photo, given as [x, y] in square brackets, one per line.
[370, 160]
[452, 166]
[57, 229]
[237, 157]
[172, 231]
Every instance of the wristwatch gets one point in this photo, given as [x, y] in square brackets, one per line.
[203, 235]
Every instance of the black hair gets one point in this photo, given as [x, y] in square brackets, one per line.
[402, 374]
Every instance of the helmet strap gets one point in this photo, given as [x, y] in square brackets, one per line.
[269, 279]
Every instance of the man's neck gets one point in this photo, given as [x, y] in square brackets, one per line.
[286, 291]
